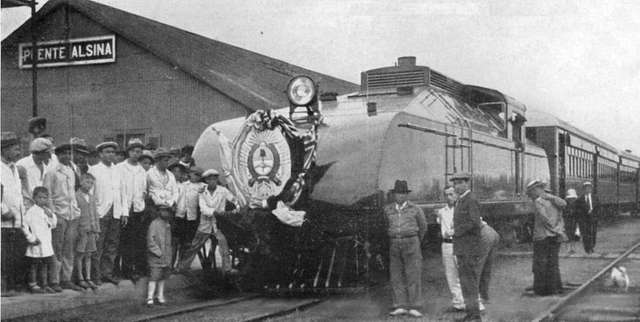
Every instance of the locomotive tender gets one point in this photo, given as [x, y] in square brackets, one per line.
[407, 122]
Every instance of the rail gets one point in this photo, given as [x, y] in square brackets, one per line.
[552, 312]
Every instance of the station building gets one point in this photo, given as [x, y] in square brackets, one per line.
[106, 74]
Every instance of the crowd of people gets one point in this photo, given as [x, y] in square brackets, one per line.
[75, 216]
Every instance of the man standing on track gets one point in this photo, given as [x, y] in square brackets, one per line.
[587, 207]
[467, 244]
[445, 219]
[548, 234]
[406, 227]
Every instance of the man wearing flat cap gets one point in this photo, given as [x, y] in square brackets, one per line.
[548, 234]
[587, 207]
[406, 228]
[33, 166]
[13, 243]
[60, 181]
[467, 243]
[133, 191]
[108, 200]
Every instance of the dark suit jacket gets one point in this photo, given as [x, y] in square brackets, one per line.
[467, 226]
[581, 207]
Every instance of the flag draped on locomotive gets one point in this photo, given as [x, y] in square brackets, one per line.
[328, 162]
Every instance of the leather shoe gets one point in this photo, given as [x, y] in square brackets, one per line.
[111, 279]
[415, 313]
[92, 285]
[71, 286]
[469, 318]
[56, 288]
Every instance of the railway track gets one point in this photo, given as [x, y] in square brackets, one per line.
[249, 308]
[599, 299]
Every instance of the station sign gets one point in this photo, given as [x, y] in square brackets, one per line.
[68, 52]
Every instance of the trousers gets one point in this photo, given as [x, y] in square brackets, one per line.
[546, 269]
[489, 240]
[451, 273]
[64, 237]
[103, 260]
[198, 241]
[44, 269]
[133, 243]
[13, 248]
[588, 229]
[468, 268]
[405, 268]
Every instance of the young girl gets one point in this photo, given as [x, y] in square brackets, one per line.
[88, 231]
[39, 221]
[159, 253]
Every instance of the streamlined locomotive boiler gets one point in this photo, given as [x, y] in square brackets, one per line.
[315, 175]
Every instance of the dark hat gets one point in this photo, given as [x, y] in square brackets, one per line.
[134, 143]
[461, 176]
[37, 121]
[534, 184]
[107, 144]
[161, 153]
[9, 139]
[187, 149]
[177, 165]
[400, 187]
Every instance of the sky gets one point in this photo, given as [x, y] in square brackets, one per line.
[576, 59]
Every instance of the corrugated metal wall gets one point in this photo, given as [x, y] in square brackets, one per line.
[139, 93]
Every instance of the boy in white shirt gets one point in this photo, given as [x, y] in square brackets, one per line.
[186, 220]
[38, 223]
[212, 201]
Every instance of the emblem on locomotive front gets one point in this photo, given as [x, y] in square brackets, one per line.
[263, 159]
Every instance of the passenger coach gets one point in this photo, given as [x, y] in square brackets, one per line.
[576, 156]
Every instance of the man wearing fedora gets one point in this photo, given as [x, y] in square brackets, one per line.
[406, 228]
[586, 207]
[60, 181]
[107, 194]
[13, 244]
[548, 234]
[467, 243]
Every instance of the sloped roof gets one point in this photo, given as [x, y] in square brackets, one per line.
[256, 81]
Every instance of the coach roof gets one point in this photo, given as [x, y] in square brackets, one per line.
[254, 80]
[537, 118]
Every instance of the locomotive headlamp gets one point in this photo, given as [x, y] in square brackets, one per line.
[301, 90]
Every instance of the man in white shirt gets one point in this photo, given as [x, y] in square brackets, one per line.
[60, 181]
[107, 193]
[161, 184]
[33, 167]
[212, 201]
[13, 244]
[133, 191]
[445, 219]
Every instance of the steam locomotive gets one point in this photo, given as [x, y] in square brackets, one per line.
[334, 157]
